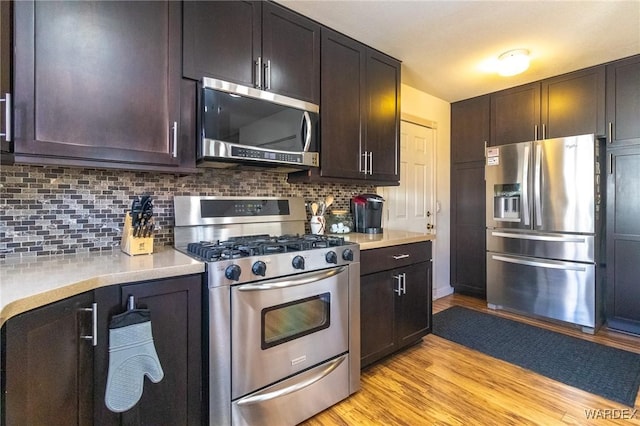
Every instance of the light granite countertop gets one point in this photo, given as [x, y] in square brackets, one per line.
[387, 238]
[30, 282]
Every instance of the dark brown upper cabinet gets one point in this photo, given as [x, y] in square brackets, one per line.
[470, 129]
[567, 105]
[360, 125]
[515, 114]
[222, 39]
[573, 104]
[97, 84]
[382, 130]
[623, 101]
[6, 26]
[342, 101]
[256, 44]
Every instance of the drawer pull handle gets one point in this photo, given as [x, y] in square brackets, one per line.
[401, 256]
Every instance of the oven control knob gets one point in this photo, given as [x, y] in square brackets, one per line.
[298, 262]
[232, 272]
[259, 268]
[347, 255]
[331, 257]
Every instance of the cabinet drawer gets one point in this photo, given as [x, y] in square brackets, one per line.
[393, 257]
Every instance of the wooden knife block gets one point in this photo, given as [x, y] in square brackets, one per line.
[134, 245]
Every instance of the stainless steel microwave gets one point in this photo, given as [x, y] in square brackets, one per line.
[241, 124]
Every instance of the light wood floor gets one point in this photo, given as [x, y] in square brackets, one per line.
[443, 383]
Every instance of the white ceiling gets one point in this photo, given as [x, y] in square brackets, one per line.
[443, 44]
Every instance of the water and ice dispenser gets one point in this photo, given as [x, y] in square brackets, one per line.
[506, 202]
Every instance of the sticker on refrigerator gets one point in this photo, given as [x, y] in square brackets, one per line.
[493, 156]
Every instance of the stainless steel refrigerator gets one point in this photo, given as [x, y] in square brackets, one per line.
[545, 227]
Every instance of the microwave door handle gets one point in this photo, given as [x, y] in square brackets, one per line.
[306, 130]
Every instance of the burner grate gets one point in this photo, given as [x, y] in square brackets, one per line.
[262, 244]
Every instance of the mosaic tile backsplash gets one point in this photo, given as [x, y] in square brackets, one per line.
[54, 210]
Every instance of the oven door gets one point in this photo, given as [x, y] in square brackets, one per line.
[283, 326]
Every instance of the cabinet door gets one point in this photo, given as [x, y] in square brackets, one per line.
[382, 134]
[413, 318]
[623, 240]
[515, 114]
[468, 237]
[469, 129]
[573, 104]
[97, 83]
[291, 53]
[623, 101]
[49, 370]
[6, 25]
[175, 306]
[377, 317]
[222, 39]
[343, 62]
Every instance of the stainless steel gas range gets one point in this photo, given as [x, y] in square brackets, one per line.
[283, 311]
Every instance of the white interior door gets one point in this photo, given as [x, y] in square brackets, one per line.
[410, 206]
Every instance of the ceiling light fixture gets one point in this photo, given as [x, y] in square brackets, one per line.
[513, 62]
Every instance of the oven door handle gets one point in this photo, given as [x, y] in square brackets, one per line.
[278, 284]
[264, 396]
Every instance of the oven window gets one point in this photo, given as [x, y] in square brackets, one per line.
[289, 321]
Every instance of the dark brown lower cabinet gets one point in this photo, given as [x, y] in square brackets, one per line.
[623, 239]
[48, 366]
[395, 299]
[468, 229]
[54, 376]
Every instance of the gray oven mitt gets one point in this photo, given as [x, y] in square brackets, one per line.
[132, 356]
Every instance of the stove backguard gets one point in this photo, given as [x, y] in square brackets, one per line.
[220, 218]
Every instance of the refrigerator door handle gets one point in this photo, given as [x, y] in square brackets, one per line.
[525, 186]
[536, 185]
[539, 237]
[538, 263]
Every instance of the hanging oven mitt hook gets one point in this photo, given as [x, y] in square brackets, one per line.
[132, 355]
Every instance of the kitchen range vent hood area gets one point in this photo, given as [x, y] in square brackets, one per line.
[242, 125]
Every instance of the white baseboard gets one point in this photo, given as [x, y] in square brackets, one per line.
[442, 292]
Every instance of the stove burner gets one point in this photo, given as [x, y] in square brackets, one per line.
[256, 245]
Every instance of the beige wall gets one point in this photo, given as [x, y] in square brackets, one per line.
[423, 105]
